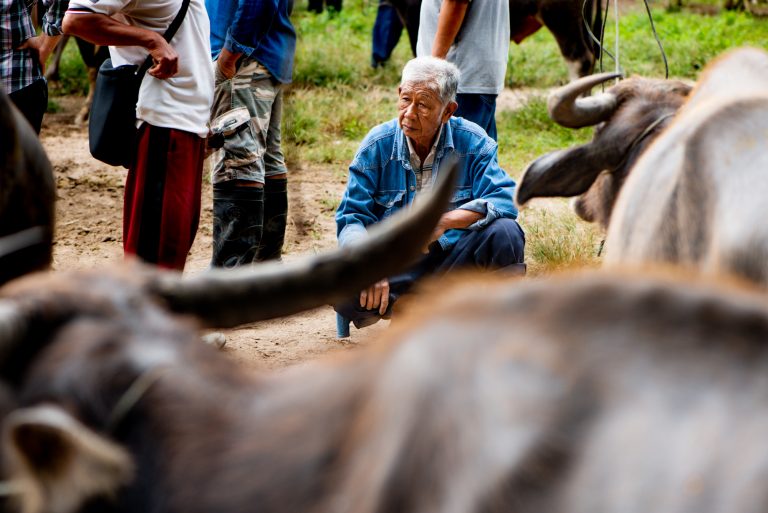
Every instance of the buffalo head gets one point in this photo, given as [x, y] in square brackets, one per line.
[627, 118]
[27, 194]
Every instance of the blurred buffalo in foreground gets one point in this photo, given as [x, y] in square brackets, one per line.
[590, 393]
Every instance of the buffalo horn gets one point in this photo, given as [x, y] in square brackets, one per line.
[566, 108]
[223, 298]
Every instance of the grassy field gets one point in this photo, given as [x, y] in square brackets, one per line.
[336, 97]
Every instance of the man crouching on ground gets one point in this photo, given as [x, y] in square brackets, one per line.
[401, 158]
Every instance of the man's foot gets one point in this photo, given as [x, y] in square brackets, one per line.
[376, 63]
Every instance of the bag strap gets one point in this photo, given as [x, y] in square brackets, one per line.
[168, 35]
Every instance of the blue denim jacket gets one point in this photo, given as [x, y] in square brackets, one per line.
[381, 180]
[260, 29]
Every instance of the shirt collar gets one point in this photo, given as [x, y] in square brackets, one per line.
[443, 141]
[414, 157]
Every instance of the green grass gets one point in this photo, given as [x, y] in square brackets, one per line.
[337, 97]
[689, 40]
[527, 133]
[72, 74]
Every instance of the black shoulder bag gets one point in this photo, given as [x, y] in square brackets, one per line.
[112, 122]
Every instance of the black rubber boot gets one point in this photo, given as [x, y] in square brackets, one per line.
[275, 216]
[238, 217]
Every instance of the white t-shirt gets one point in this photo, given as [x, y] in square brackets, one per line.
[183, 101]
[481, 47]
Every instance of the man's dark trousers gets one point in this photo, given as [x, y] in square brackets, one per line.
[499, 246]
[32, 101]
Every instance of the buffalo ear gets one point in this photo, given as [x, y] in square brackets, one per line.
[56, 463]
[561, 173]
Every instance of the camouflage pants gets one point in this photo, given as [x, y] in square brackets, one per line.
[253, 152]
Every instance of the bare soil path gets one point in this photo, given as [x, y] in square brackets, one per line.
[89, 234]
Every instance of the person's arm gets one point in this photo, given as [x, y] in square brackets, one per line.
[449, 22]
[103, 30]
[354, 214]
[251, 22]
[458, 218]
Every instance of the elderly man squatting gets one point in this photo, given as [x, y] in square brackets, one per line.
[402, 157]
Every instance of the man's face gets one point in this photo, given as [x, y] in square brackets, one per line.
[420, 112]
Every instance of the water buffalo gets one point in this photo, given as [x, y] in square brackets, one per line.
[595, 393]
[27, 196]
[690, 193]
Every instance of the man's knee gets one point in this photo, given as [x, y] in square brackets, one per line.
[500, 244]
[508, 234]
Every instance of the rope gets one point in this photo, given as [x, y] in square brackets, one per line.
[616, 42]
[131, 397]
[658, 41]
[591, 34]
[599, 42]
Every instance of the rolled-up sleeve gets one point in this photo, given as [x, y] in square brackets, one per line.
[493, 191]
[251, 24]
[355, 211]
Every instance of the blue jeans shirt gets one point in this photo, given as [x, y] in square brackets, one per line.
[260, 29]
[381, 180]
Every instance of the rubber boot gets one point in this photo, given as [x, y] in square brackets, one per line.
[238, 216]
[275, 216]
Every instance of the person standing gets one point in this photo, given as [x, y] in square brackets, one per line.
[162, 191]
[474, 35]
[253, 44]
[391, 17]
[23, 55]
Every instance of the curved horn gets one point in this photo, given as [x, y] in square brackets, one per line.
[227, 298]
[562, 173]
[567, 109]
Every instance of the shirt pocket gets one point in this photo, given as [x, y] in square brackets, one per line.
[387, 202]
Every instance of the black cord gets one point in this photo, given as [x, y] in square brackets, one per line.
[658, 41]
[592, 36]
[602, 35]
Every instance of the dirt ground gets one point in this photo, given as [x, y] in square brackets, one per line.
[89, 234]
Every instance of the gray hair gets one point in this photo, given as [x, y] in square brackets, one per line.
[442, 75]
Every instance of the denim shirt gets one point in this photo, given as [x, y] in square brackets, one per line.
[382, 181]
[260, 29]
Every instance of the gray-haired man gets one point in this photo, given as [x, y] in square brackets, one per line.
[402, 157]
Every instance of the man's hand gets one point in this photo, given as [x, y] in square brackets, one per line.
[102, 30]
[227, 63]
[164, 57]
[41, 46]
[376, 296]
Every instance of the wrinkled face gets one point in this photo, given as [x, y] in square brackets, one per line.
[421, 112]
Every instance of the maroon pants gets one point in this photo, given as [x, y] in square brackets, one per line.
[162, 196]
